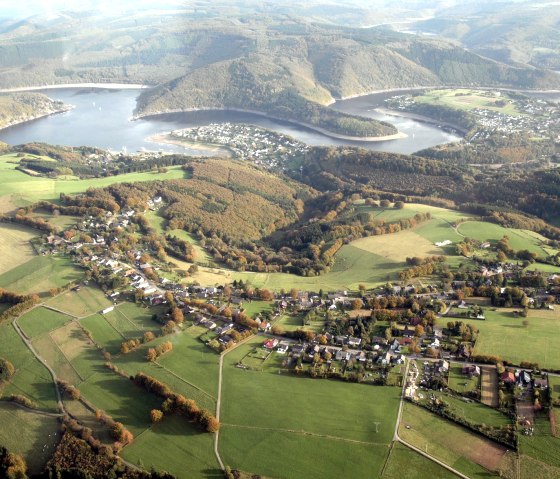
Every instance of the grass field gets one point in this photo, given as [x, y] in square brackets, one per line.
[191, 368]
[126, 328]
[466, 99]
[201, 255]
[121, 399]
[459, 382]
[15, 248]
[174, 445]
[105, 335]
[456, 446]
[404, 463]
[33, 436]
[140, 315]
[475, 412]
[254, 308]
[503, 335]
[87, 300]
[41, 320]
[298, 413]
[518, 239]
[392, 214]
[78, 349]
[40, 274]
[31, 378]
[28, 188]
[48, 349]
[294, 456]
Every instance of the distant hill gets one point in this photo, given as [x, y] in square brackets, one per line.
[521, 33]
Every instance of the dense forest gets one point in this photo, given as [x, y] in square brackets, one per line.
[20, 107]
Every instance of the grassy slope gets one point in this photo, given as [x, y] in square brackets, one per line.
[31, 379]
[503, 335]
[29, 434]
[41, 320]
[298, 412]
[15, 248]
[84, 302]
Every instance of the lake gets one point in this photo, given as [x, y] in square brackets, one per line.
[102, 118]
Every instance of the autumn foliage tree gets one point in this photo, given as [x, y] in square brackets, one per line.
[156, 416]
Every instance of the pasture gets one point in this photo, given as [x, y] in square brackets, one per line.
[518, 239]
[29, 188]
[15, 246]
[355, 418]
[295, 455]
[466, 99]
[84, 302]
[404, 463]
[176, 446]
[454, 445]
[104, 335]
[51, 353]
[121, 399]
[391, 214]
[31, 379]
[77, 349]
[254, 308]
[40, 274]
[504, 335]
[32, 435]
[191, 368]
[41, 320]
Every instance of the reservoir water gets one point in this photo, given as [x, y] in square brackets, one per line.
[101, 118]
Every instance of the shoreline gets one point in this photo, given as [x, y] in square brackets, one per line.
[166, 138]
[396, 136]
[103, 86]
[37, 117]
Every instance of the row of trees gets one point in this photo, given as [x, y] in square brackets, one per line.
[176, 403]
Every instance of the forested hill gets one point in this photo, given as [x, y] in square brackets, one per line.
[19, 107]
[291, 69]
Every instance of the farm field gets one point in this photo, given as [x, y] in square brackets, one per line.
[120, 322]
[348, 418]
[31, 379]
[518, 239]
[32, 435]
[392, 214]
[40, 274]
[191, 368]
[51, 353]
[176, 446]
[29, 188]
[404, 463]
[105, 335]
[121, 399]
[77, 349]
[299, 456]
[15, 248]
[87, 300]
[464, 99]
[503, 335]
[41, 320]
[456, 446]
[140, 315]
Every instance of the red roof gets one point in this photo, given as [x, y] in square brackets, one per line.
[508, 377]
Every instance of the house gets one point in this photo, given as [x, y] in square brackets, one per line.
[283, 347]
[270, 344]
[225, 340]
[298, 349]
[442, 366]
[265, 326]
[508, 377]
[407, 333]
[354, 342]
[540, 383]
[470, 370]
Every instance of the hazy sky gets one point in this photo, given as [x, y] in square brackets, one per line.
[32, 7]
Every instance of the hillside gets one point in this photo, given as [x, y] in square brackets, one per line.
[20, 107]
[516, 35]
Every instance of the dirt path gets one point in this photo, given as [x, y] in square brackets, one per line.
[489, 387]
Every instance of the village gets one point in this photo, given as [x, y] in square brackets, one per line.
[264, 148]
